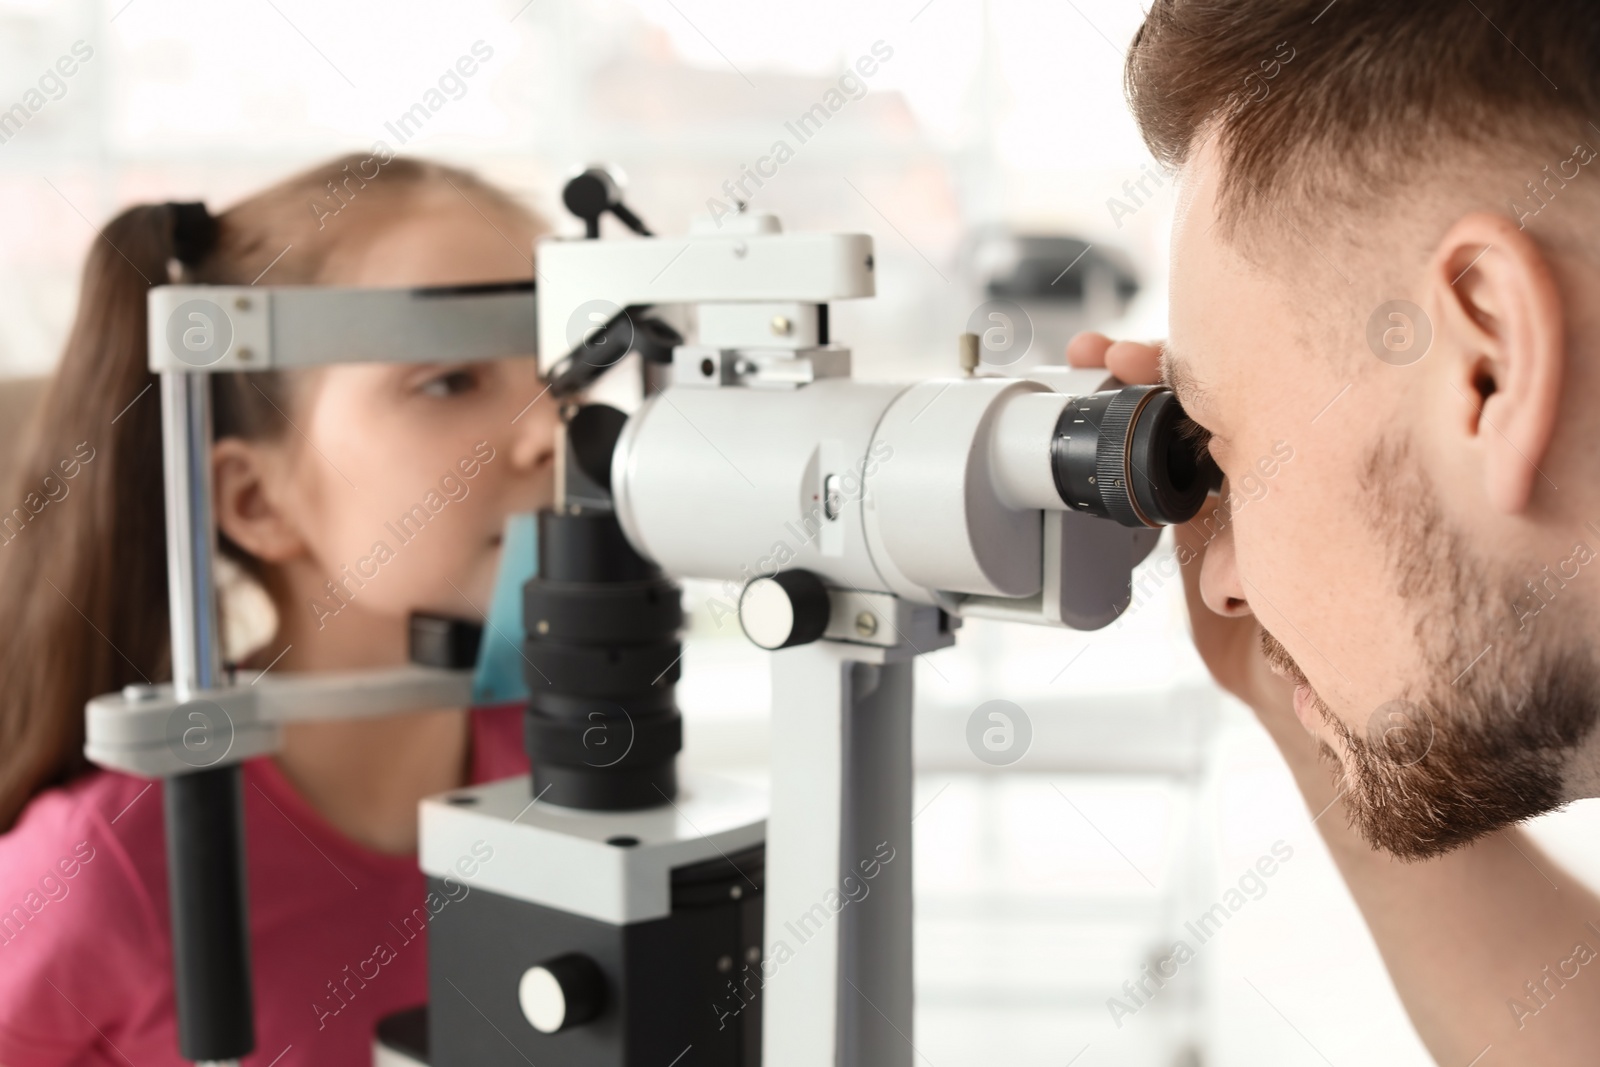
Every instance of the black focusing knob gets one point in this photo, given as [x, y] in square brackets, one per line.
[790, 608]
[595, 192]
[561, 993]
[591, 194]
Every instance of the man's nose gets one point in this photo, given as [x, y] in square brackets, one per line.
[1220, 585]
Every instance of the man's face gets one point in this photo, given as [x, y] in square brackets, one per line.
[1398, 618]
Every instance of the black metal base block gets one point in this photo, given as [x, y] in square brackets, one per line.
[669, 983]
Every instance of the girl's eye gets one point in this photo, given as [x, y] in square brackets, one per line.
[451, 383]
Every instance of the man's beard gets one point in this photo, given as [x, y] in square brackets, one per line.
[1480, 744]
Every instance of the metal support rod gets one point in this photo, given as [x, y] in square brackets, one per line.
[191, 531]
[837, 956]
[875, 994]
[204, 809]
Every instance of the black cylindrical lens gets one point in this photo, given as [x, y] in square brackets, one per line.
[602, 651]
[1130, 455]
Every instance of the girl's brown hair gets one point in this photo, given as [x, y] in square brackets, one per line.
[85, 578]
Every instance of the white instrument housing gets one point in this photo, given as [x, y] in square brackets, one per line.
[939, 492]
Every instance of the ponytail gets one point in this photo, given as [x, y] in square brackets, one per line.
[83, 568]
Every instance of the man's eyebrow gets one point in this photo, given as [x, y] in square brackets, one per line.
[1175, 371]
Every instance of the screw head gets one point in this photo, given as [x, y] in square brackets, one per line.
[245, 354]
[543, 626]
[782, 326]
[242, 303]
[866, 624]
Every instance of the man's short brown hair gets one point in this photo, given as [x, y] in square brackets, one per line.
[1376, 93]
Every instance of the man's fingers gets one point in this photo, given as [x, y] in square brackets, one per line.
[1088, 349]
[1134, 362]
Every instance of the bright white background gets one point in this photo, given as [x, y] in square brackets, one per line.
[1040, 888]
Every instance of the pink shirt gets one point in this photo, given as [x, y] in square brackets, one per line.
[337, 931]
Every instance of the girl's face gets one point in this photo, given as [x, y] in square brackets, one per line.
[395, 480]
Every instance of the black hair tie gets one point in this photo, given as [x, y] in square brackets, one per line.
[194, 232]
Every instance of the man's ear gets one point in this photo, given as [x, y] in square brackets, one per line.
[1499, 331]
[247, 509]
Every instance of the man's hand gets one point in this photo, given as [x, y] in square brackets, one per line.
[1230, 644]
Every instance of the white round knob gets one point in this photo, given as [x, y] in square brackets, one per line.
[543, 1002]
[790, 608]
[561, 993]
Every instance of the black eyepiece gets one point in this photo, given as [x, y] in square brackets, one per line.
[1130, 455]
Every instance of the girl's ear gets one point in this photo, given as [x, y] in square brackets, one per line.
[247, 503]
